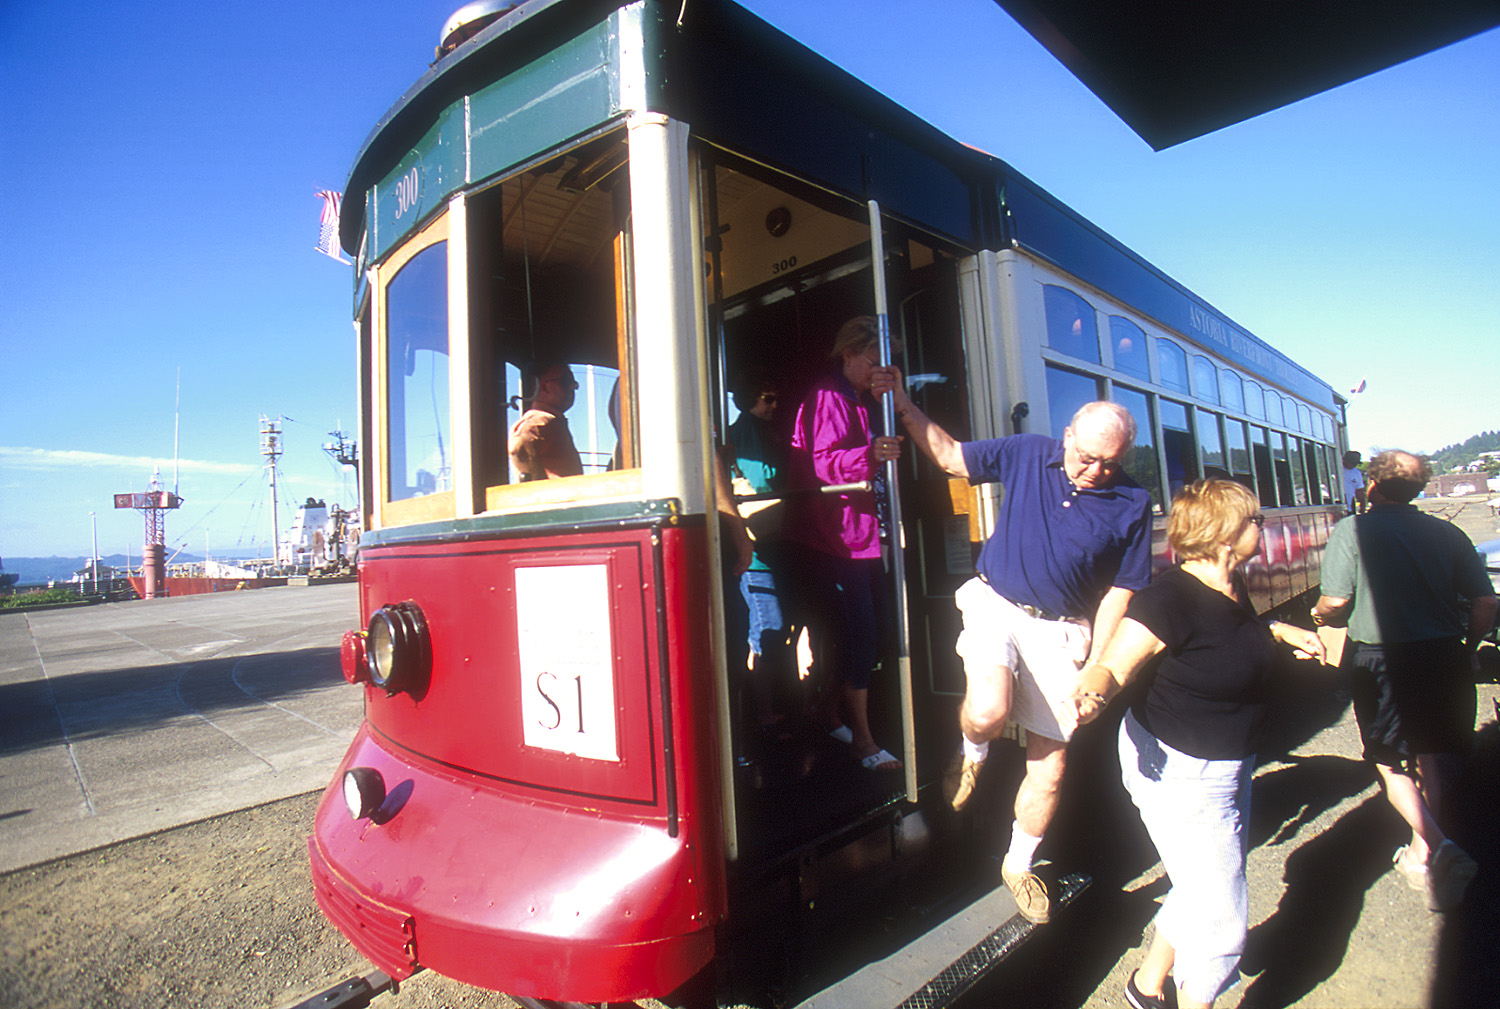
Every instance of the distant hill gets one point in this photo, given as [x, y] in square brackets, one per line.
[1451, 457]
[40, 570]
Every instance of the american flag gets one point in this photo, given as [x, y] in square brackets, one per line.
[328, 234]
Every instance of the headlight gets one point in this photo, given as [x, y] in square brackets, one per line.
[364, 791]
[397, 649]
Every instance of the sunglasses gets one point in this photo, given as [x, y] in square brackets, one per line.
[1259, 520]
[768, 397]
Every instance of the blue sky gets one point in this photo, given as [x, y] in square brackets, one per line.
[158, 166]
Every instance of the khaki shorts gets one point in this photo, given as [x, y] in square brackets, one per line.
[1044, 656]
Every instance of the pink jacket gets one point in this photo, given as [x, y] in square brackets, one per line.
[831, 445]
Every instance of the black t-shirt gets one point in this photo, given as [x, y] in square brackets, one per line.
[1206, 695]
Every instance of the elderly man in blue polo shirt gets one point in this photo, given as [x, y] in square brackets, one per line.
[1072, 543]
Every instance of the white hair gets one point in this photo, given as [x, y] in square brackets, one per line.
[1110, 417]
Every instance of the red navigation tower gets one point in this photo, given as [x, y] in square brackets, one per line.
[152, 504]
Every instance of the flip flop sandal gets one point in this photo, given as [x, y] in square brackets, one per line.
[843, 734]
[876, 760]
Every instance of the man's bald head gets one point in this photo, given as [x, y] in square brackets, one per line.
[1398, 476]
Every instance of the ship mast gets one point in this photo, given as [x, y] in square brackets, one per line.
[270, 447]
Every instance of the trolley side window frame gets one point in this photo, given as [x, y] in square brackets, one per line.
[404, 508]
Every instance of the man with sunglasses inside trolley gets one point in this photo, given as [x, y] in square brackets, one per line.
[541, 446]
[1072, 543]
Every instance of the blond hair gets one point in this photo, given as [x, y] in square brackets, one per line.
[1206, 515]
[859, 334]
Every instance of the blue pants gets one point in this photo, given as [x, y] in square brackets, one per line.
[846, 600]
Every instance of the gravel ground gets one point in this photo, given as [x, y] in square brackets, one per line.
[220, 914]
[214, 914]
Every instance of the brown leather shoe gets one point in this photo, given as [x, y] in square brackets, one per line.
[1030, 893]
[959, 779]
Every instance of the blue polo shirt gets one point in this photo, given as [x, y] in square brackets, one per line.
[1056, 546]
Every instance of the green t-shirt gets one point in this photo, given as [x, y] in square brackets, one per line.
[1406, 572]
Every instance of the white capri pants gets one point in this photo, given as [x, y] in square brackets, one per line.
[1044, 656]
[1197, 812]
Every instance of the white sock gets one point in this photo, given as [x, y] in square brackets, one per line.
[976, 752]
[1022, 850]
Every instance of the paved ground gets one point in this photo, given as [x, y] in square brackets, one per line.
[1331, 924]
[122, 719]
[221, 716]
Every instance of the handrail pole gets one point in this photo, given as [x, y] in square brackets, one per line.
[893, 497]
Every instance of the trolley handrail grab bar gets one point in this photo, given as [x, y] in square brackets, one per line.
[893, 497]
[832, 488]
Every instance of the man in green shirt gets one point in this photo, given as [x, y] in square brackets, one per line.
[1397, 578]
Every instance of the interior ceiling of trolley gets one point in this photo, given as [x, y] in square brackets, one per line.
[559, 214]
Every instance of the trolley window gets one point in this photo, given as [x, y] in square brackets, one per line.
[1298, 470]
[550, 305]
[1317, 477]
[1255, 404]
[1142, 464]
[1231, 391]
[1286, 495]
[1265, 471]
[1239, 452]
[1129, 343]
[1171, 362]
[1071, 325]
[1273, 409]
[1178, 446]
[1066, 392]
[1214, 463]
[415, 451]
[1205, 379]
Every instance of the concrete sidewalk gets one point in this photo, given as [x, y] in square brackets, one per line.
[124, 719]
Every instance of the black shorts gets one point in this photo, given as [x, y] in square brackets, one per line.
[1412, 697]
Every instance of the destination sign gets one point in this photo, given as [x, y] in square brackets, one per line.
[148, 499]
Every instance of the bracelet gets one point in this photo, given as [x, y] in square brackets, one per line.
[1093, 695]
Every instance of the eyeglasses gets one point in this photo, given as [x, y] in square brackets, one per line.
[768, 397]
[1259, 520]
[1105, 464]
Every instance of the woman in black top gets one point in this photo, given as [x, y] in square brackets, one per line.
[1187, 745]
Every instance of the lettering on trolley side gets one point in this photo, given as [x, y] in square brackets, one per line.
[408, 191]
[566, 663]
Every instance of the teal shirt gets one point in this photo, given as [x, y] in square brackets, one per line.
[759, 458]
[1406, 572]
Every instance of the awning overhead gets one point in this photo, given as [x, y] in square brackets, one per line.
[1177, 69]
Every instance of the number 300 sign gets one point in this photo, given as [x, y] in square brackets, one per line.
[566, 660]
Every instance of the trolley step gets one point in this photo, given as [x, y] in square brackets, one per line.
[354, 993]
[939, 966]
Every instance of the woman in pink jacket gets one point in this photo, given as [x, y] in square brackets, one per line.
[834, 442]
